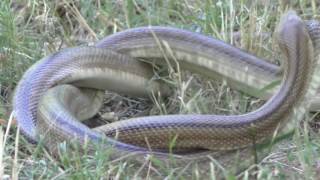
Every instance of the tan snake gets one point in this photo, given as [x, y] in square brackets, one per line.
[115, 68]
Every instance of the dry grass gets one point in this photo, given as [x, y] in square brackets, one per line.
[30, 30]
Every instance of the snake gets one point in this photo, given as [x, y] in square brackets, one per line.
[62, 88]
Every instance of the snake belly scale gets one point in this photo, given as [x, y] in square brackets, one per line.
[88, 67]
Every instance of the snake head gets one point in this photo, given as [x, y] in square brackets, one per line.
[293, 37]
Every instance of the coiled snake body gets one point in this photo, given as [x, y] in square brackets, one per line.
[112, 65]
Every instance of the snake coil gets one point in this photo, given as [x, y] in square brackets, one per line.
[67, 86]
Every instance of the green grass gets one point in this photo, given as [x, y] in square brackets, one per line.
[31, 29]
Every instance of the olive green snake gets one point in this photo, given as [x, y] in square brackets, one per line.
[65, 87]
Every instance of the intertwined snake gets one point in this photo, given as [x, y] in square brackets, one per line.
[44, 107]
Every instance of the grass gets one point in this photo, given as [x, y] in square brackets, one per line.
[31, 29]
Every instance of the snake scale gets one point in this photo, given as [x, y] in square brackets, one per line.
[66, 86]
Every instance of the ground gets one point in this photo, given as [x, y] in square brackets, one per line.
[30, 30]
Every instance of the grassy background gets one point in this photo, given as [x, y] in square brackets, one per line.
[32, 29]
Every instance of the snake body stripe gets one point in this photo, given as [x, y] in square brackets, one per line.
[251, 77]
[63, 67]
[195, 53]
[218, 132]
